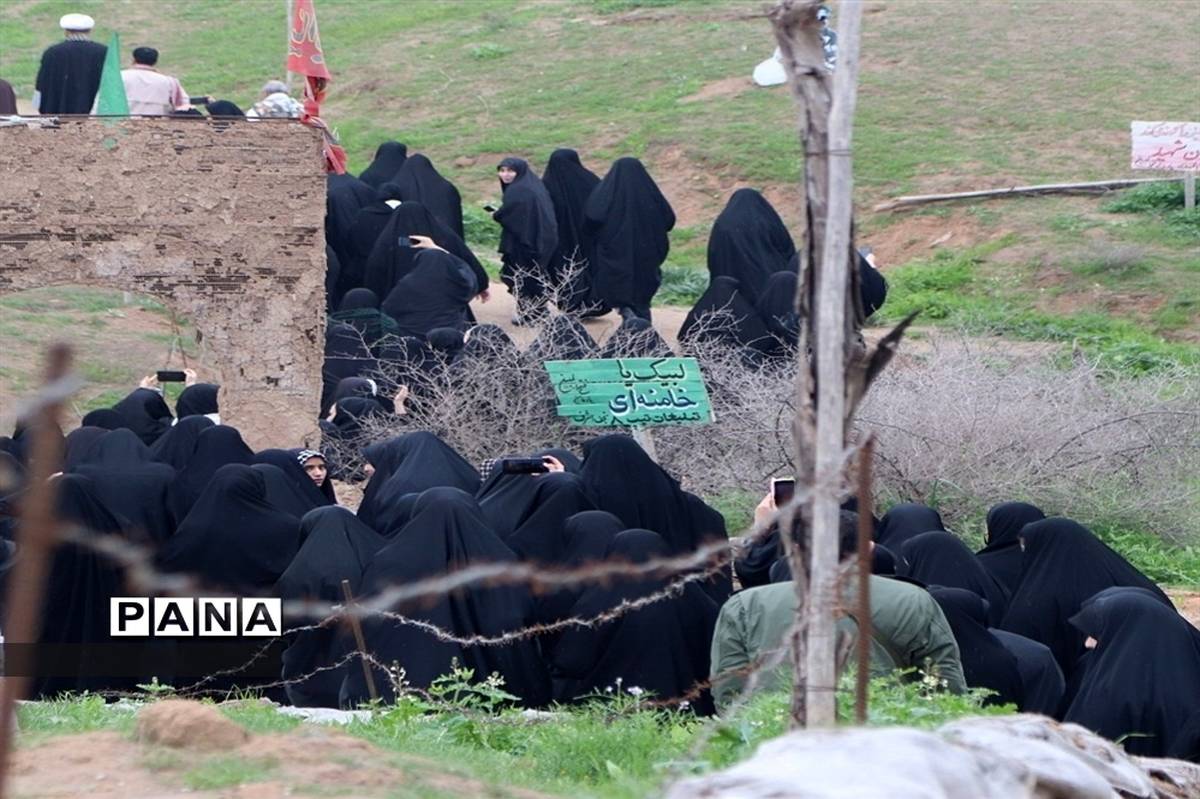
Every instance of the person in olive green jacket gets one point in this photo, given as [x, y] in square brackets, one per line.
[908, 629]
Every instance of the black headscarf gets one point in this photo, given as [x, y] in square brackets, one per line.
[197, 400]
[940, 558]
[488, 343]
[777, 309]
[1042, 683]
[367, 228]
[78, 442]
[389, 262]
[216, 446]
[635, 338]
[529, 232]
[529, 512]
[749, 243]
[623, 480]
[234, 538]
[106, 418]
[145, 413]
[587, 537]
[410, 464]
[627, 221]
[1143, 678]
[562, 338]
[569, 184]
[283, 494]
[389, 158]
[420, 182]
[225, 108]
[904, 521]
[129, 483]
[436, 293]
[1063, 565]
[1002, 555]
[447, 533]
[872, 287]
[175, 447]
[288, 463]
[722, 315]
[345, 196]
[359, 299]
[662, 648]
[985, 661]
[335, 546]
[352, 414]
[346, 355]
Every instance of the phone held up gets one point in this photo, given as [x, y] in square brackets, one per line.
[784, 490]
[524, 466]
[170, 376]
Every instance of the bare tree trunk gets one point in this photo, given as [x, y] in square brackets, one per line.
[826, 304]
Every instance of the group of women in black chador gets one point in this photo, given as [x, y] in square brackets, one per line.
[1046, 616]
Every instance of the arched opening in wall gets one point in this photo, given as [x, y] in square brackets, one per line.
[118, 338]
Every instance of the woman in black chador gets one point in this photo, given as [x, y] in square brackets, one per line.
[528, 237]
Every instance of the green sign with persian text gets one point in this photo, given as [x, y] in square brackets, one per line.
[630, 392]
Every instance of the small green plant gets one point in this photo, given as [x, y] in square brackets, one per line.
[223, 771]
[488, 51]
[481, 231]
[681, 285]
[1148, 197]
[155, 690]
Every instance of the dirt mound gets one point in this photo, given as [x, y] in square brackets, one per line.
[308, 761]
[188, 725]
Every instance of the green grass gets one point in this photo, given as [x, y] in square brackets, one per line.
[224, 771]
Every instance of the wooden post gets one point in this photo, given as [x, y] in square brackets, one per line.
[361, 642]
[1189, 191]
[37, 536]
[866, 502]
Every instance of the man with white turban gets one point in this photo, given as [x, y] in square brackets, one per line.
[70, 73]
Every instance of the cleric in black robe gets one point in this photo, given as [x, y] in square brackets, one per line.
[528, 237]
[346, 355]
[1065, 564]
[175, 447]
[636, 338]
[940, 558]
[986, 662]
[394, 257]
[904, 521]
[69, 75]
[749, 243]
[623, 480]
[569, 184]
[661, 648]
[198, 399]
[410, 464]
[528, 512]
[127, 480]
[389, 157]
[217, 446]
[723, 317]
[627, 222]
[1002, 555]
[448, 533]
[562, 338]
[436, 293]
[335, 545]
[145, 413]
[1143, 678]
[1042, 683]
[420, 182]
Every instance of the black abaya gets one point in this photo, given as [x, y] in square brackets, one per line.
[661, 648]
[1064, 565]
[217, 446]
[448, 533]
[420, 182]
[562, 338]
[1143, 678]
[197, 400]
[904, 521]
[986, 662]
[724, 317]
[393, 258]
[1042, 683]
[1002, 555]
[528, 512]
[78, 442]
[749, 243]
[569, 184]
[940, 558]
[529, 231]
[145, 413]
[286, 460]
[436, 293]
[627, 220]
[175, 447]
[346, 355]
[389, 158]
[128, 482]
[636, 338]
[283, 494]
[410, 464]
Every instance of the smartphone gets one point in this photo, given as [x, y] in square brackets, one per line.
[168, 376]
[404, 241]
[202, 100]
[491, 209]
[784, 490]
[524, 466]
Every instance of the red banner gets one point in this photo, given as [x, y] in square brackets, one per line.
[306, 58]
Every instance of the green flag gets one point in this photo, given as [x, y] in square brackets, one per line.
[111, 100]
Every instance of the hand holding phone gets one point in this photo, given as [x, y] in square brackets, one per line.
[170, 376]
[783, 490]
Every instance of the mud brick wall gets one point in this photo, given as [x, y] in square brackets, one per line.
[221, 221]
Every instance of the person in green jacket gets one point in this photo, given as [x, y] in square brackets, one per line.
[908, 629]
